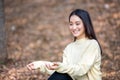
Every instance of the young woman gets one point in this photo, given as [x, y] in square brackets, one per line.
[81, 58]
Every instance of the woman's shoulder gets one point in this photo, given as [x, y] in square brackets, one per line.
[88, 42]
[69, 45]
[93, 42]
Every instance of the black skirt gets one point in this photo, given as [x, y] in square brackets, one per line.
[59, 76]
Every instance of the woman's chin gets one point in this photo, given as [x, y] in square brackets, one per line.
[75, 35]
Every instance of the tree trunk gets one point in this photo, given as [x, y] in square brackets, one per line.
[3, 49]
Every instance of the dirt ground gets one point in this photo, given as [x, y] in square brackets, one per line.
[38, 30]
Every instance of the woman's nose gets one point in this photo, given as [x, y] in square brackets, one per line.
[74, 26]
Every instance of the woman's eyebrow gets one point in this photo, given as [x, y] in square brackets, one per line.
[77, 20]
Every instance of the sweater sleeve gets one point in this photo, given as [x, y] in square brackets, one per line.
[84, 65]
[65, 61]
[41, 66]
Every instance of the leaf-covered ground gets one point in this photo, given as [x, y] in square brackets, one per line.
[38, 30]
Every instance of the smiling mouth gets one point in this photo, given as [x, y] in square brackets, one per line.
[76, 31]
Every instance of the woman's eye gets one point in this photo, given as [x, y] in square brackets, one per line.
[70, 24]
[77, 24]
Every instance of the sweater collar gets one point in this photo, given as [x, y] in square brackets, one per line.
[81, 40]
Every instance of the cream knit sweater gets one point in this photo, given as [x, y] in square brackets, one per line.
[81, 60]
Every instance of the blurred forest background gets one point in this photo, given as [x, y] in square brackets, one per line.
[38, 30]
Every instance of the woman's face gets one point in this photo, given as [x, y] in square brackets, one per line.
[76, 26]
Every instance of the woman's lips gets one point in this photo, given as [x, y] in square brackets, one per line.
[76, 31]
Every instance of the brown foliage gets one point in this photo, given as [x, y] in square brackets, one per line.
[37, 30]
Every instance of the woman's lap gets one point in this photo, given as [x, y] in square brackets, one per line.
[59, 76]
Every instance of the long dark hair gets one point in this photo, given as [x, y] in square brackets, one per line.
[89, 30]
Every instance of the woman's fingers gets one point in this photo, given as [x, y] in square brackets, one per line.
[36, 65]
[51, 66]
[48, 65]
[54, 67]
[55, 64]
[30, 66]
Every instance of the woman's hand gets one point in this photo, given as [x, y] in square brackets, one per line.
[52, 66]
[30, 66]
[34, 65]
[37, 64]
